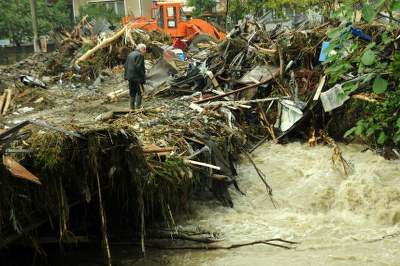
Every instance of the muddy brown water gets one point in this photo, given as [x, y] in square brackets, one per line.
[339, 220]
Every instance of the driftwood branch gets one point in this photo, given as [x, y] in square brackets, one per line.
[182, 236]
[337, 154]
[261, 175]
[269, 242]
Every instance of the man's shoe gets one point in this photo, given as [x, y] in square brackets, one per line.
[132, 102]
[138, 101]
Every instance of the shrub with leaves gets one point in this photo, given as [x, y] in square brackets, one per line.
[16, 23]
[98, 10]
[367, 50]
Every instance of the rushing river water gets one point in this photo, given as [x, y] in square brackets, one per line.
[339, 220]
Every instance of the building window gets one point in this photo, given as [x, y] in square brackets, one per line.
[118, 5]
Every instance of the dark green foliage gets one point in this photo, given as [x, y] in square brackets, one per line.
[202, 6]
[379, 121]
[97, 11]
[16, 24]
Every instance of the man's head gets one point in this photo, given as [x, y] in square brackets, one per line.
[141, 47]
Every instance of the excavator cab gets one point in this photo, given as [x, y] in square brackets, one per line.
[170, 18]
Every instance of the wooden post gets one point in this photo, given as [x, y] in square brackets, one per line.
[36, 48]
[2, 100]
[8, 101]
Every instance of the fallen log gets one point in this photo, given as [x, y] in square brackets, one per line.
[102, 44]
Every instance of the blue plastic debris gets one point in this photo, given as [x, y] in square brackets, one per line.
[323, 55]
[358, 32]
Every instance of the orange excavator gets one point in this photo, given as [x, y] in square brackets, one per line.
[170, 18]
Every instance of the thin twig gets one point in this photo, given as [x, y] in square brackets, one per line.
[217, 246]
[261, 175]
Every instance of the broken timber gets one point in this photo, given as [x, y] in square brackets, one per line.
[238, 90]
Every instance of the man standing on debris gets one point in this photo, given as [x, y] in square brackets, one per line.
[136, 75]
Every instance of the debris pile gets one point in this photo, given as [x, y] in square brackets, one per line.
[204, 106]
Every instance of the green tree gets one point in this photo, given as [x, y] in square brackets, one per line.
[202, 7]
[16, 24]
[239, 8]
[99, 10]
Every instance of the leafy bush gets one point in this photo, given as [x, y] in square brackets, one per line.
[16, 23]
[379, 65]
[98, 10]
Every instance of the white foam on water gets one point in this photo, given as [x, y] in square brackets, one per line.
[339, 220]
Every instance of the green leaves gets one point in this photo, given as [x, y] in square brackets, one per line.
[348, 88]
[395, 6]
[334, 34]
[376, 120]
[359, 128]
[385, 38]
[368, 58]
[339, 11]
[15, 22]
[202, 6]
[368, 13]
[382, 138]
[349, 132]
[380, 85]
[379, 4]
[98, 10]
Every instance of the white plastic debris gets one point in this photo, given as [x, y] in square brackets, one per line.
[330, 99]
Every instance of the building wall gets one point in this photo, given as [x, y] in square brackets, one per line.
[136, 8]
[76, 4]
[133, 8]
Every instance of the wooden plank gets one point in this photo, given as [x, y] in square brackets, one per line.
[2, 99]
[319, 89]
[8, 101]
[159, 149]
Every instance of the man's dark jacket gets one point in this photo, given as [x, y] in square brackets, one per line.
[134, 67]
